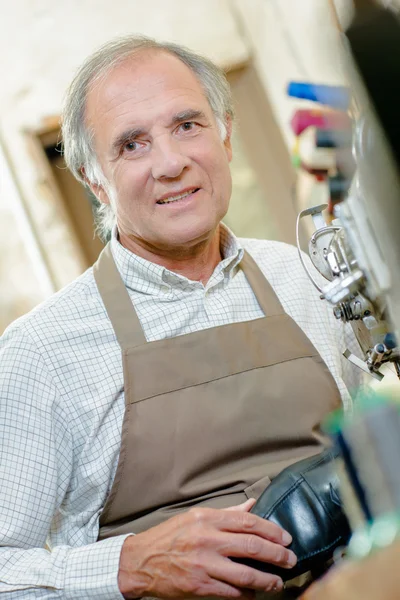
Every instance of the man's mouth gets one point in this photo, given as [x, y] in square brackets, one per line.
[177, 197]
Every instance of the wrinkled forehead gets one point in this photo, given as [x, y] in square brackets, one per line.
[140, 80]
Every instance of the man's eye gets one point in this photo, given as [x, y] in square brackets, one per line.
[188, 126]
[130, 146]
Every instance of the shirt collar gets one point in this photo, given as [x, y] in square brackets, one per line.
[146, 277]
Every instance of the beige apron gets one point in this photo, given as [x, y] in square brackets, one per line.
[211, 416]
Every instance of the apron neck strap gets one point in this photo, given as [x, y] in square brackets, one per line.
[123, 316]
[266, 297]
[117, 302]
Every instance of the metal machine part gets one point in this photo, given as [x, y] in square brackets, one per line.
[364, 283]
[351, 292]
[359, 253]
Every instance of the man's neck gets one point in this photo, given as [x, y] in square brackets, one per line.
[197, 263]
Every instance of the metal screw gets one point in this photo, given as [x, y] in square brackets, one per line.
[337, 311]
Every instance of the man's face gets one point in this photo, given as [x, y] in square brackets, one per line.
[158, 144]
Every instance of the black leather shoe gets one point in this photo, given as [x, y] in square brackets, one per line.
[303, 499]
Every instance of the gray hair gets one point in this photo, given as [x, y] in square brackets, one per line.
[78, 139]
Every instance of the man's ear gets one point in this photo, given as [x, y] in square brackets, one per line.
[96, 188]
[228, 137]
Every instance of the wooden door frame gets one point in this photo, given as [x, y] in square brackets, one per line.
[266, 148]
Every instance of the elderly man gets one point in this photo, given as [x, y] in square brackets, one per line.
[160, 392]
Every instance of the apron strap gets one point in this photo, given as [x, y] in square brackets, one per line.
[123, 316]
[266, 297]
[117, 301]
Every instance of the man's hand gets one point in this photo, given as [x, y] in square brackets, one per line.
[188, 555]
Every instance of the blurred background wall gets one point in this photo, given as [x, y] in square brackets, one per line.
[46, 230]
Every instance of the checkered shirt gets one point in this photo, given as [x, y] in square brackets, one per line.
[62, 405]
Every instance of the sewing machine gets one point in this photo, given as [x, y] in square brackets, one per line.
[358, 252]
[358, 255]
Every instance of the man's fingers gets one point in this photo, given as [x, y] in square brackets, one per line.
[220, 589]
[245, 506]
[254, 547]
[237, 521]
[242, 576]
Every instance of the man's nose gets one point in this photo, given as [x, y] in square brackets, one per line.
[168, 159]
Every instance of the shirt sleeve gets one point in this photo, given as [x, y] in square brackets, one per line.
[36, 462]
